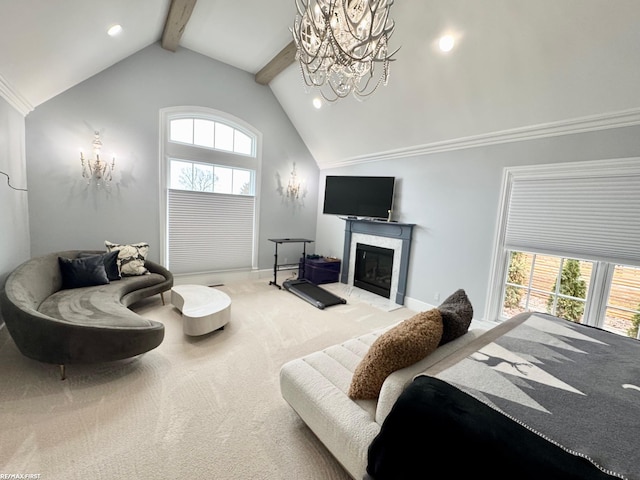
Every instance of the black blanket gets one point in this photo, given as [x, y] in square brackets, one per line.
[437, 431]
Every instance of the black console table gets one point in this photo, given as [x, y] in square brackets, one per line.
[277, 267]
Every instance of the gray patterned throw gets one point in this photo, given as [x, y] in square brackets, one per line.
[575, 385]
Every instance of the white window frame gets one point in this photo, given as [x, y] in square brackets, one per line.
[602, 273]
[557, 295]
[213, 166]
[216, 119]
[250, 162]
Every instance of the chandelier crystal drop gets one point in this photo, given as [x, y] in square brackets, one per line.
[340, 43]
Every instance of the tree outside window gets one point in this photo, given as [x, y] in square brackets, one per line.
[571, 285]
[635, 322]
[532, 285]
[197, 179]
[516, 275]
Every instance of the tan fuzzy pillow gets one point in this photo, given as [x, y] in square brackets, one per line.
[399, 347]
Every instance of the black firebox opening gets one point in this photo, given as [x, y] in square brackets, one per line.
[373, 268]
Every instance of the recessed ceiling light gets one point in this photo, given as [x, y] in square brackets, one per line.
[317, 102]
[446, 43]
[114, 30]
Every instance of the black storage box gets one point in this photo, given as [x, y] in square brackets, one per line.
[320, 270]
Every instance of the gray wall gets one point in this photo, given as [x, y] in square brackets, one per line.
[14, 214]
[454, 198]
[123, 103]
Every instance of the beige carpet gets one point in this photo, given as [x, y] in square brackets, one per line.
[196, 407]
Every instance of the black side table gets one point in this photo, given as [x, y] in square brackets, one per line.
[277, 267]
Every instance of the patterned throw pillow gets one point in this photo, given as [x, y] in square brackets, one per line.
[401, 346]
[131, 257]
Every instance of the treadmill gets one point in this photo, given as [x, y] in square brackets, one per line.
[312, 293]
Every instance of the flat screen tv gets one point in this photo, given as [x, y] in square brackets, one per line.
[369, 197]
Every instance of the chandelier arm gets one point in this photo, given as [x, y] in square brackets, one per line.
[361, 93]
[310, 82]
[353, 26]
[387, 25]
[311, 56]
[371, 38]
[313, 65]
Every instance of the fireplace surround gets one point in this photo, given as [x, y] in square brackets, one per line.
[388, 235]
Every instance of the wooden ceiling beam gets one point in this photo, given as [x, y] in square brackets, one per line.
[277, 64]
[177, 18]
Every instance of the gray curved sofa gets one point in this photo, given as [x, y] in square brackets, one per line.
[79, 325]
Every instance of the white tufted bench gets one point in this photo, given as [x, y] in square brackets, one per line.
[316, 387]
[204, 309]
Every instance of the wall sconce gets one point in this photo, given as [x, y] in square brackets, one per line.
[294, 187]
[97, 170]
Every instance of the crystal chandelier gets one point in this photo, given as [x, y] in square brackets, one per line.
[97, 170]
[340, 42]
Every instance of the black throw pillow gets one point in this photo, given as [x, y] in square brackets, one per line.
[110, 260]
[82, 272]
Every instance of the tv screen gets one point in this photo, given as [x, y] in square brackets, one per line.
[358, 196]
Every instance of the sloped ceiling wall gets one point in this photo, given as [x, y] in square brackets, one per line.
[517, 64]
[48, 47]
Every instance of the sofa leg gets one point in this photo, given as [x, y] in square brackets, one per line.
[162, 297]
[63, 374]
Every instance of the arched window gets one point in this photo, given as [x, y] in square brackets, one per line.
[207, 133]
[210, 167]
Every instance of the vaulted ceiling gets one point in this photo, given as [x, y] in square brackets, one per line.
[520, 68]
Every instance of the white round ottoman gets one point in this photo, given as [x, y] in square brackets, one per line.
[204, 309]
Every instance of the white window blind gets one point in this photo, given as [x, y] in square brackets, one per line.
[588, 213]
[210, 232]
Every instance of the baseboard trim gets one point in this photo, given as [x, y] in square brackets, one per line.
[417, 305]
[221, 278]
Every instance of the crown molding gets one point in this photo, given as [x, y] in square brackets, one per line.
[624, 118]
[15, 99]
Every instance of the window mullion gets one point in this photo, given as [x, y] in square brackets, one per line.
[556, 290]
[596, 307]
[533, 267]
[604, 294]
[503, 287]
